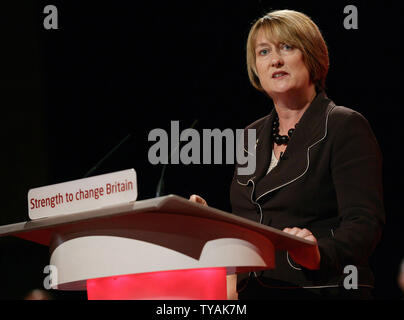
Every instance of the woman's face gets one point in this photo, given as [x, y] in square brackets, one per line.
[280, 67]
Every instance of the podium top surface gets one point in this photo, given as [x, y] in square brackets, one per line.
[41, 230]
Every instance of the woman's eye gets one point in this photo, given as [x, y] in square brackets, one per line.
[286, 47]
[263, 52]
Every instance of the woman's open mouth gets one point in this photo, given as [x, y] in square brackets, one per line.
[279, 75]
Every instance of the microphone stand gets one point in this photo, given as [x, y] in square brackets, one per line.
[160, 185]
[106, 156]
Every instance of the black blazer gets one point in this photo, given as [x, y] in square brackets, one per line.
[329, 180]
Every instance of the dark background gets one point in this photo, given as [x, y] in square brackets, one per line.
[114, 68]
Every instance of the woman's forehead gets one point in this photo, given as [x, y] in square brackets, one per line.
[266, 36]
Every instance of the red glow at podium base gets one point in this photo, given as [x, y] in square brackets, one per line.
[189, 284]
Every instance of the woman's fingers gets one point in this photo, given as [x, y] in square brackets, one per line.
[308, 257]
[302, 233]
[198, 199]
[293, 231]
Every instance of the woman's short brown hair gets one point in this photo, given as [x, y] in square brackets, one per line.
[296, 29]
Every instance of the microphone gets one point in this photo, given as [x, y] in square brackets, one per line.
[107, 156]
[160, 185]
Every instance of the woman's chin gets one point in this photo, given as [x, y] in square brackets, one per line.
[280, 90]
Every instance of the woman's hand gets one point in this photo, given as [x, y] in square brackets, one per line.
[198, 199]
[307, 257]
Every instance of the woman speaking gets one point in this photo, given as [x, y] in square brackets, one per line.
[318, 169]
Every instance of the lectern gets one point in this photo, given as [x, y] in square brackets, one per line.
[161, 248]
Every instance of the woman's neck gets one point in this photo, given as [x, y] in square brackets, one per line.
[290, 108]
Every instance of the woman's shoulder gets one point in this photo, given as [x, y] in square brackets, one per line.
[344, 116]
[347, 124]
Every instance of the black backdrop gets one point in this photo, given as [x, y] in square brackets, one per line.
[126, 67]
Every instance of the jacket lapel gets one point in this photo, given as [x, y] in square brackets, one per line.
[295, 161]
[263, 148]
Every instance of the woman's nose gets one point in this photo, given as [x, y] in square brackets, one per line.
[276, 61]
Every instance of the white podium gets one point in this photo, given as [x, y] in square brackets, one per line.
[161, 248]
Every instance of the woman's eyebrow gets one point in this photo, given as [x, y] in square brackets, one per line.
[262, 44]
